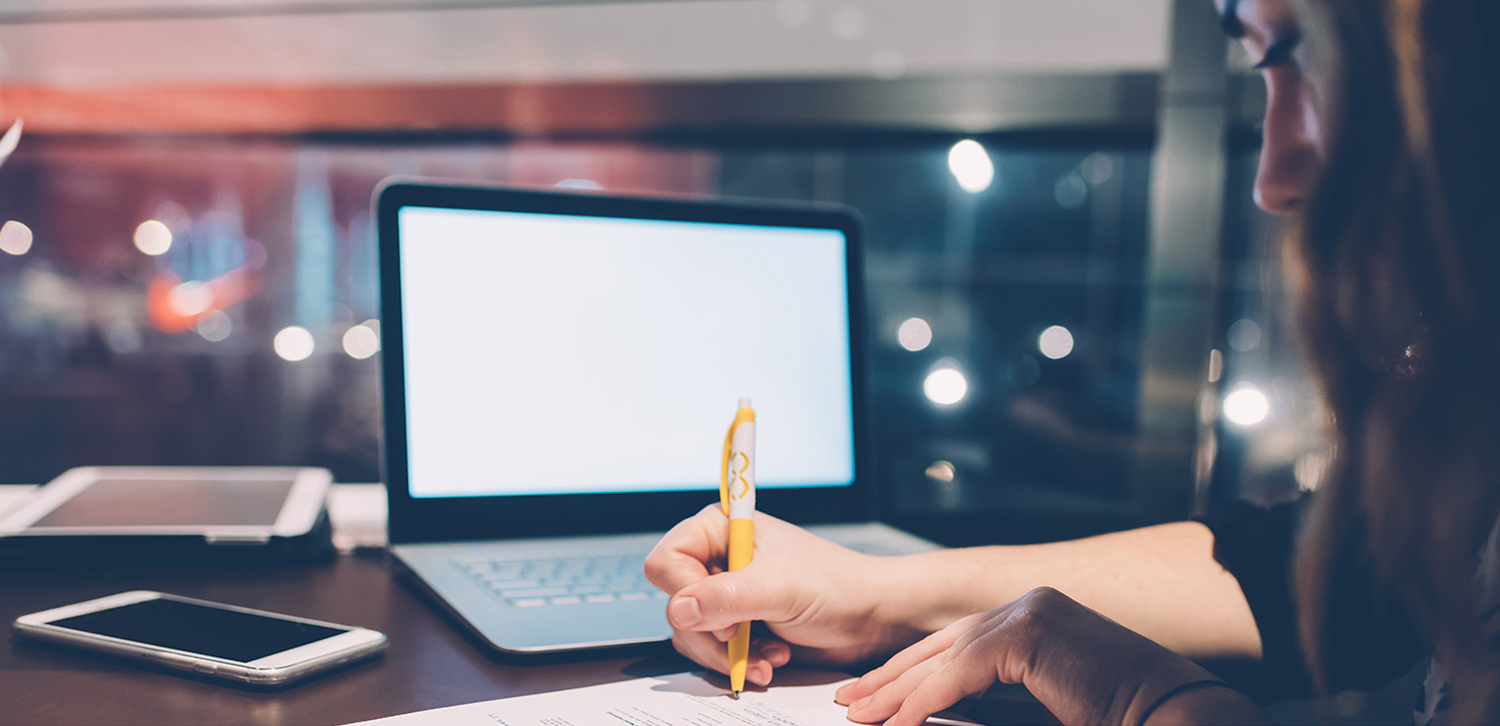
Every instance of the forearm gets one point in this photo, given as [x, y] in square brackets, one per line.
[1161, 582]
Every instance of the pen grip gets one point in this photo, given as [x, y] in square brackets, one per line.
[741, 549]
[739, 657]
[741, 542]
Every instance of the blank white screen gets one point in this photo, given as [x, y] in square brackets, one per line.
[552, 354]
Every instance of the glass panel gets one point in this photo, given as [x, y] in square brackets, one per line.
[1271, 421]
[172, 284]
[1006, 320]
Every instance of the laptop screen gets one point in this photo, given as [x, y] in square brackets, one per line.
[556, 354]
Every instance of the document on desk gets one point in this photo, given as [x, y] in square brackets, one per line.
[682, 699]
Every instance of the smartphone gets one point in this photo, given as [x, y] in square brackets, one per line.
[207, 638]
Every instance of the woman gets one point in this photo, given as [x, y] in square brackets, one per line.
[1382, 134]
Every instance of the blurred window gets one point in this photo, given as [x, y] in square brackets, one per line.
[1270, 424]
[198, 300]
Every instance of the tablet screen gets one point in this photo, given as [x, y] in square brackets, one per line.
[146, 503]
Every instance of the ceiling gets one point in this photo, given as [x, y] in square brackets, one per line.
[125, 43]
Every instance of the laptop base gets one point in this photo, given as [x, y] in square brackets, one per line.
[576, 593]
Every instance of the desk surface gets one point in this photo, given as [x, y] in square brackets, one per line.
[429, 663]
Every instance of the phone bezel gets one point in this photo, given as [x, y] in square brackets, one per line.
[299, 511]
[275, 669]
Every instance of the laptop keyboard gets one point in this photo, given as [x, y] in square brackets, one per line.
[561, 581]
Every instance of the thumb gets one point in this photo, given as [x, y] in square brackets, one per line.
[719, 601]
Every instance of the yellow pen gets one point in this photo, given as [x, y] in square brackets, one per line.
[737, 494]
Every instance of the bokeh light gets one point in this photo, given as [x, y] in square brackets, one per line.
[190, 299]
[294, 343]
[215, 326]
[1246, 406]
[1096, 168]
[941, 471]
[914, 334]
[945, 386]
[1055, 342]
[153, 237]
[1244, 335]
[15, 238]
[361, 342]
[971, 166]
[1070, 191]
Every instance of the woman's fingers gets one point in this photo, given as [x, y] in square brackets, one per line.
[766, 654]
[964, 675]
[812, 594]
[711, 654]
[1066, 654]
[702, 648]
[885, 701]
[774, 650]
[913, 655]
[966, 659]
[685, 565]
[689, 552]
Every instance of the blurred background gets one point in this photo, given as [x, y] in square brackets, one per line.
[1079, 322]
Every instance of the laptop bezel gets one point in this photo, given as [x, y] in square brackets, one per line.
[450, 519]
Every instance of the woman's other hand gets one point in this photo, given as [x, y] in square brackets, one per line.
[824, 603]
[1083, 667]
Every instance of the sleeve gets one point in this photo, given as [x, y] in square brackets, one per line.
[1371, 638]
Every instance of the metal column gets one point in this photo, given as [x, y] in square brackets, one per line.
[1187, 200]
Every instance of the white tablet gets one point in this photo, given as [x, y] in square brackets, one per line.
[222, 505]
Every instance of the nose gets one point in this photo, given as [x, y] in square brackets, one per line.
[1290, 154]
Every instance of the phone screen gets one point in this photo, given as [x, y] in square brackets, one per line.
[199, 629]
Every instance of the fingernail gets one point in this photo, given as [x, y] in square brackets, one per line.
[762, 675]
[838, 696]
[860, 704]
[686, 612]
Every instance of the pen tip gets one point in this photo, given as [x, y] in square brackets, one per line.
[735, 695]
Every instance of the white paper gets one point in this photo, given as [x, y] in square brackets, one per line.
[802, 698]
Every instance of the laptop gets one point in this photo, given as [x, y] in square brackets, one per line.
[559, 372]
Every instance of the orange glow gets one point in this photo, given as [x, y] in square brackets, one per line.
[224, 291]
[236, 108]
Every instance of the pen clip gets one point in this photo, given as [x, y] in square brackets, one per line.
[724, 467]
[744, 415]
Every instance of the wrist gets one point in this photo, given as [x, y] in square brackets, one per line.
[916, 595]
[881, 587]
[1205, 705]
[934, 589]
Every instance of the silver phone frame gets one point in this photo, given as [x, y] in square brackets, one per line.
[272, 670]
[299, 511]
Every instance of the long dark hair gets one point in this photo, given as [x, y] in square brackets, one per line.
[1399, 249]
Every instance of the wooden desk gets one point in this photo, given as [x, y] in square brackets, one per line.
[429, 662]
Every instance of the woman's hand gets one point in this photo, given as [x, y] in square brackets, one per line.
[1083, 667]
[825, 603]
